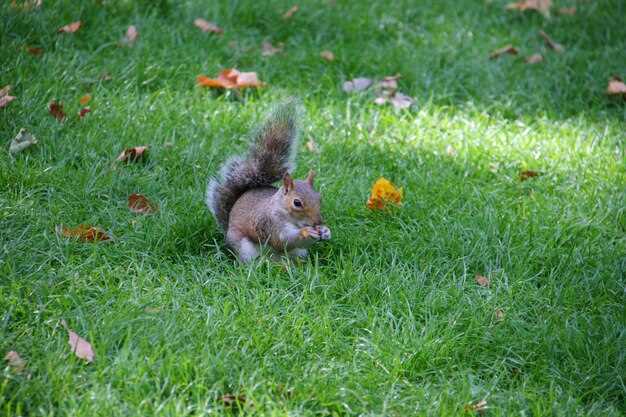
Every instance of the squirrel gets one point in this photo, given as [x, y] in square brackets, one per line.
[250, 210]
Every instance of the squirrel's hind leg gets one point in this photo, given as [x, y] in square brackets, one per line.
[299, 253]
[246, 249]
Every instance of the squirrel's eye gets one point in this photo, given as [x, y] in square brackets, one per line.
[297, 203]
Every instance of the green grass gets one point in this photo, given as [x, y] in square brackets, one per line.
[385, 319]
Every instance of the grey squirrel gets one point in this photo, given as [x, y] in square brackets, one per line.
[250, 210]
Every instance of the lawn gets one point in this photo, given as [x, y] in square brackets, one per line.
[387, 318]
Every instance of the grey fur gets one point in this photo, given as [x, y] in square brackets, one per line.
[270, 157]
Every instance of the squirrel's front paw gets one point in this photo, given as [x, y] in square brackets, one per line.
[324, 232]
[309, 232]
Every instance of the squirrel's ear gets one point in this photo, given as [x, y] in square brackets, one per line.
[310, 177]
[287, 183]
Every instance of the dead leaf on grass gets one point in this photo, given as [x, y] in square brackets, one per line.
[231, 78]
[267, 49]
[534, 59]
[22, 141]
[541, 6]
[499, 313]
[357, 84]
[80, 347]
[138, 203]
[327, 56]
[83, 232]
[479, 407]
[569, 11]
[134, 154]
[506, 49]
[482, 280]
[206, 26]
[312, 146]
[556, 47]
[70, 28]
[384, 193]
[230, 400]
[84, 100]
[15, 361]
[5, 97]
[616, 87]
[82, 112]
[55, 109]
[27, 5]
[131, 36]
[34, 50]
[289, 13]
[527, 174]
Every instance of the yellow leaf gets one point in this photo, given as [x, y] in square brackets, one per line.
[384, 192]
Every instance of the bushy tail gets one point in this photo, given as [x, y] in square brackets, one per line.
[270, 157]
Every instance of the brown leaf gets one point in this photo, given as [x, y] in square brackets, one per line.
[570, 11]
[56, 110]
[84, 111]
[499, 313]
[267, 49]
[131, 36]
[84, 100]
[230, 78]
[527, 174]
[289, 13]
[327, 56]
[80, 347]
[27, 5]
[482, 280]
[70, 28]
[22, 141]
[34, 51]
[206, 26]
[616, 87]
[15, 361]
[230, 400]
[357, 84]
[556, 47]
[312, 146]
[541, 6]
[5, 98]
[105, 76]
[534, 59]
[133, 154]
[83, 232]
[507, 49]
[138, 203]
[479, 407]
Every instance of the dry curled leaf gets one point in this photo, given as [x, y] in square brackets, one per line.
[527, 174]
[134, 154]
[80, 347]
[267, 49]
[482, 280]
[616, 87]
[556, 47]
[357, 84]
[541, 6]
[83, 232]
[569, 11]
[312, 146]
[499, 313]
[231, 78]
[534, 59]
[206, 26]
[478, 407]
[84, 100]
[70, 28]
[138, 203]
[22, 141]
[327, 56]
[230, 400]
[34, 50]
[55, 108]
[5, 97]
[384, 193]
[131, 36]
[506, 49]
[15, 361]
[82, 112]
[289, 13]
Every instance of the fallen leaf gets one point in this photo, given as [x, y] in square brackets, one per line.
[84, 111]
[230, 78]
[5, 98]
[131, 36]
[534, 59]
[527, 174]
[152, 310]
[312, 146]
[616, 87]
[140, 204]
[499, 313]
[206, 26]
[327, 56]
[56, 110]
[34, 51]
[570, 11]
[80, 347]
[289, 13]
[105, 76]
[15, 361]
[230, 400]
[481, 280]
[83, 232]
[84, 100]
[507, 49]
[556, 47]
[133, 154]
[357, 84]
[451, 150]
[22, 141]
[479, 407]
[70, 28]
[267, 49]
[26, 5]
[541, 6]
[384, 192]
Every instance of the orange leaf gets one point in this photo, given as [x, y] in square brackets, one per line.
[482, 280]
[230, 78]
[206, 26]
[289, 13]
[507, 49]
[527, 174]
[56, 110]
[616, 87]
[70, 28]
[541, 6]
[327, 56]
[384, 192]
[534, 59]
[5, 98]
[133, 154]
[138, 203]
[83, 232]
[556, 47]
[84, 99]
